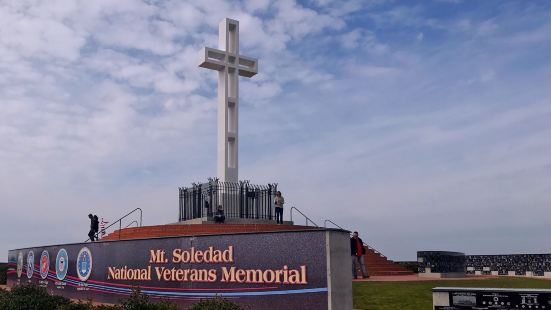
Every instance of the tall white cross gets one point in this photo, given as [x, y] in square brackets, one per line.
[229, 64]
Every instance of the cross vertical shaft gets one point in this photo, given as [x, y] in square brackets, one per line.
[228, 87]
[230, 65]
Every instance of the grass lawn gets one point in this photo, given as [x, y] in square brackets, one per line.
[418, 295]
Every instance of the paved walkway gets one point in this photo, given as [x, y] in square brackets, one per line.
[414, 277]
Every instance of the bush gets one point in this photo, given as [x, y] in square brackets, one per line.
[411, 266]
[3, 274]
[217, 303]
[139, 301]
[87, 306]
[4, 299]
[31, 296]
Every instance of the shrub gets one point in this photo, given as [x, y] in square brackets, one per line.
[77, 306]
[216, 303]
[87, 306]
[411, 266]
[139, 301]
[4, 299]
[136, 301]
[31, 296]
[165, 305]
[3, 273]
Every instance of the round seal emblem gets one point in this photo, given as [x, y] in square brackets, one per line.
[44, 264]
[61, 263]
[20, 264]
[30, 264]
[84, 264]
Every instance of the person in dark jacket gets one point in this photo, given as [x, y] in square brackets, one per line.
[92, 232]
[357, 252]
[219, 217]
[96, 227]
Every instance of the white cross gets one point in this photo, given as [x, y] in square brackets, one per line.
[229, 64]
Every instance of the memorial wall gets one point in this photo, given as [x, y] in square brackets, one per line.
[513, 264]
[278, 270]
[441, 263]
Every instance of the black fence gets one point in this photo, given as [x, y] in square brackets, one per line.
[239, 200]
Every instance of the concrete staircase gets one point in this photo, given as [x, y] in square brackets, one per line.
[379, 265]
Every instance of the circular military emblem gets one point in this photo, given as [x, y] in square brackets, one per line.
[20, 264]
[61, 264]
[30, 264]
[44, 264]
[84, 264]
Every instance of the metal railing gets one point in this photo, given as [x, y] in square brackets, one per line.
[119, 221]
[329, 221]
[238, 200]
[365, 244]
[131, 223]
[304, 215]
[374, 250]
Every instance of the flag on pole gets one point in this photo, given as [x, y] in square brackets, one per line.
[102, 227]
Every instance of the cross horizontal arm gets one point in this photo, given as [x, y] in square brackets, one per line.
[215, 59]
[211, 58]
[248, 66]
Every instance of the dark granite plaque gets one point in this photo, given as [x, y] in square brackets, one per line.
[495, 299]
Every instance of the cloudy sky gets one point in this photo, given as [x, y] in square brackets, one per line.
[424, 125]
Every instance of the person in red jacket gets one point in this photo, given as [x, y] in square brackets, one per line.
[357, 252]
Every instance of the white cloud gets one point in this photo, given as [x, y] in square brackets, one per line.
[36, 36]
[372, 71]
[351, 39]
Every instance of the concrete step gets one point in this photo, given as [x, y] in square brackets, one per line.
[195, 229]
[379, 265]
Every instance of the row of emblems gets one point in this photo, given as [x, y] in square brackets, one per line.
[84, 264]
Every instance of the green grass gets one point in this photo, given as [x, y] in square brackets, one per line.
[418, 295]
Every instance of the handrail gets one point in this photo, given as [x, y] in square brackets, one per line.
[374, 250]
[365, 244]
[325, 224]
[306, 217]
[134, 221]
[120, 223]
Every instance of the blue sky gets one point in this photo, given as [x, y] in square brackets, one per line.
[423, 125]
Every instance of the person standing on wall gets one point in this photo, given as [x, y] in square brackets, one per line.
[357, 252]
[278, 202]
[96, 227]
[219, 217]
[92, 232]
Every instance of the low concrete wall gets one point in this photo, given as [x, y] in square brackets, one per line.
[520, 265]
[304, 269]
[438, 275]
[339, 273]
